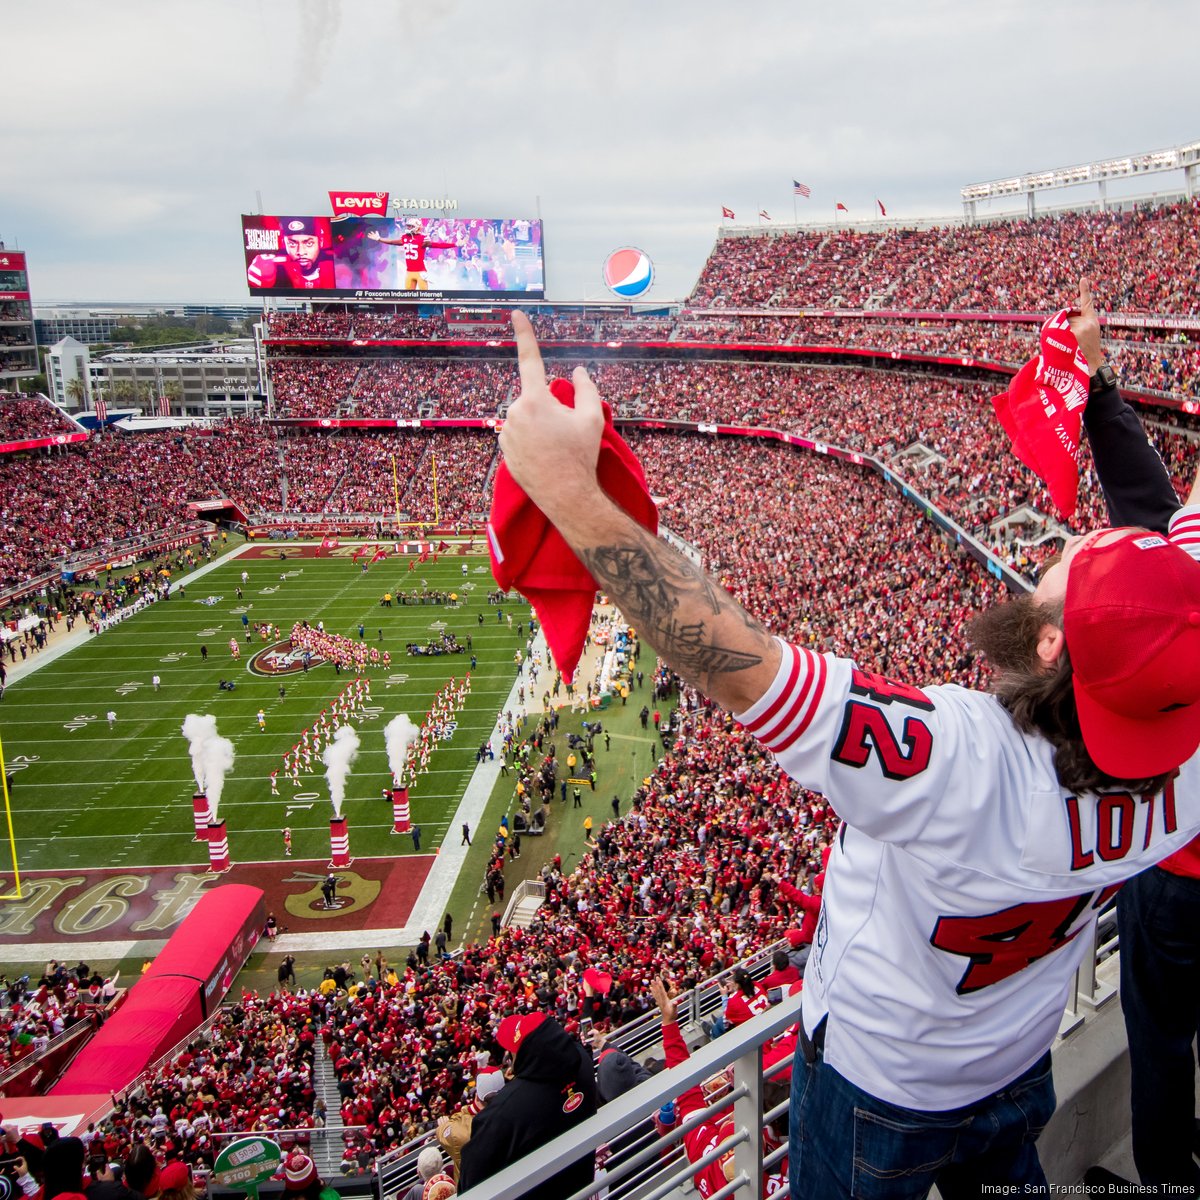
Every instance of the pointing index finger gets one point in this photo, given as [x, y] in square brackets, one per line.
[1085, 295]
[529, 357]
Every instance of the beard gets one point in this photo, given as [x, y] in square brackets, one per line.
[1041, 699]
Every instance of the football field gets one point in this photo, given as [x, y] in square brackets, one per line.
[90, 793]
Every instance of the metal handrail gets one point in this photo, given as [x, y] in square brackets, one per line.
[82, 1026]
[741, 1047]
[397, 1169]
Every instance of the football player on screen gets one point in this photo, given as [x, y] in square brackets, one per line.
[305, 263]
[413, 244]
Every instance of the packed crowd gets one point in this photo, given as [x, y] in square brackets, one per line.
[23, 418]
[938, 432]
[93, 496]
[33, 1014]
[699, 870]
[1143, 260]
[424, 387]
[241, 458]
[311, 387]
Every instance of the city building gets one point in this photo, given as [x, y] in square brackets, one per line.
[217, 380]
[67, 374]
[18, 341]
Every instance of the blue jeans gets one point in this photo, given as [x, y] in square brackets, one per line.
[1158, 915]
[847, 1143]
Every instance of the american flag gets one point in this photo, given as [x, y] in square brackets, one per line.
[101, 410]
[164, 406]
[801, 189]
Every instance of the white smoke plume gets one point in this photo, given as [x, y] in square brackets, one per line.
[338, 757]
[211, 754]
[198, 730]
[218, 762]
[400, 734]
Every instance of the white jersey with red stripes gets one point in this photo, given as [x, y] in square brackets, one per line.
[964, 885]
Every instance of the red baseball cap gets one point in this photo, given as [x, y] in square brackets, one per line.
[514, 1030]
[1132, 625]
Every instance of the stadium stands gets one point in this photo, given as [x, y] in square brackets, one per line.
[97, 494]
[23, 418]
[689, 881]
[1142, 261]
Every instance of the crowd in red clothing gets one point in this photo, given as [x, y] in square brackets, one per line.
[311, 387]
[939, 433]
[1144, 260]
[699, 872]
[436, 388]
[33, 1015]
[91, 496]
[23, 418]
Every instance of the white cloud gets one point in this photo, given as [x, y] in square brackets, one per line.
[149, 127]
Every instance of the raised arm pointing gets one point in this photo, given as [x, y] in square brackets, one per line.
[697, 627]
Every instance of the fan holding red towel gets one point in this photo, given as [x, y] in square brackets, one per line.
[529, 554]
[1042, 411]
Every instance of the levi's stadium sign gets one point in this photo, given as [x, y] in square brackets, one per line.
[359, 203]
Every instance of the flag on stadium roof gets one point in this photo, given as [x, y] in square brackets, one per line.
[801, 189]
[841, 207]
[763, 214]
[882, 210]
[726, 213]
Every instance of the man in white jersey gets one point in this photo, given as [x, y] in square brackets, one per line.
[981, 833]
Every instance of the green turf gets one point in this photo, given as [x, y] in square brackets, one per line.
[122, 797]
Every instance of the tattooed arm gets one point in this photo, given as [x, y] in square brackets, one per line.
[701, 631]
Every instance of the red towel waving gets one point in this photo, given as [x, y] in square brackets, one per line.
[1042, 411]
[528, 553]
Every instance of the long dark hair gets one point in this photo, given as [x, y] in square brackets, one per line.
[1043, 701]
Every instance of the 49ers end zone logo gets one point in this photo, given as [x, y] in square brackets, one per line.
[281, 659]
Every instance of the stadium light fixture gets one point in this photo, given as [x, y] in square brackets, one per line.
[1172, 159]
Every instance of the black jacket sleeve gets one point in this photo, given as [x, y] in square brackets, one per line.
[1137, 488]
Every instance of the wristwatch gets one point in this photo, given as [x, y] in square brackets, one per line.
[1104, 378]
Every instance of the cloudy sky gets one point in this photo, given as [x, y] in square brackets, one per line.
[135, 132]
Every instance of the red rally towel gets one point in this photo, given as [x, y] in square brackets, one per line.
[1042, 411]
[528, 553]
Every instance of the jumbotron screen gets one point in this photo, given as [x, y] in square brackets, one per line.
[389, 258]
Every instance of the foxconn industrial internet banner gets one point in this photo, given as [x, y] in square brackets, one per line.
[388, 258]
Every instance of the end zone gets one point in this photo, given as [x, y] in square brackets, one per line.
[138, 903]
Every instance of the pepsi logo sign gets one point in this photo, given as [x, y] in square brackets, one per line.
[628, 272]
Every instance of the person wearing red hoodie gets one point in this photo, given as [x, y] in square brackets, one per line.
[709, 1134]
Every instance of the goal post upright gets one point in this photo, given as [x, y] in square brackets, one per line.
[12, 839]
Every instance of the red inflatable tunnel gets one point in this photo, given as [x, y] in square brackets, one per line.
[186, 982]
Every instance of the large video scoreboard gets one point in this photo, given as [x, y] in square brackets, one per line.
[389, 258]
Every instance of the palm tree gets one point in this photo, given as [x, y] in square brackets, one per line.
[77, 392]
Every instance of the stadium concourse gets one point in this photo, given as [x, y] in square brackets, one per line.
[700, 871]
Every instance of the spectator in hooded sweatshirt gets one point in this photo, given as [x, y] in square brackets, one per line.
[63, 1170]
[454, 1131]
[553, 1089]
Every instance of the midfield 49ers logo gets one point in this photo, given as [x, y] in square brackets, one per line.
[282, 659]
